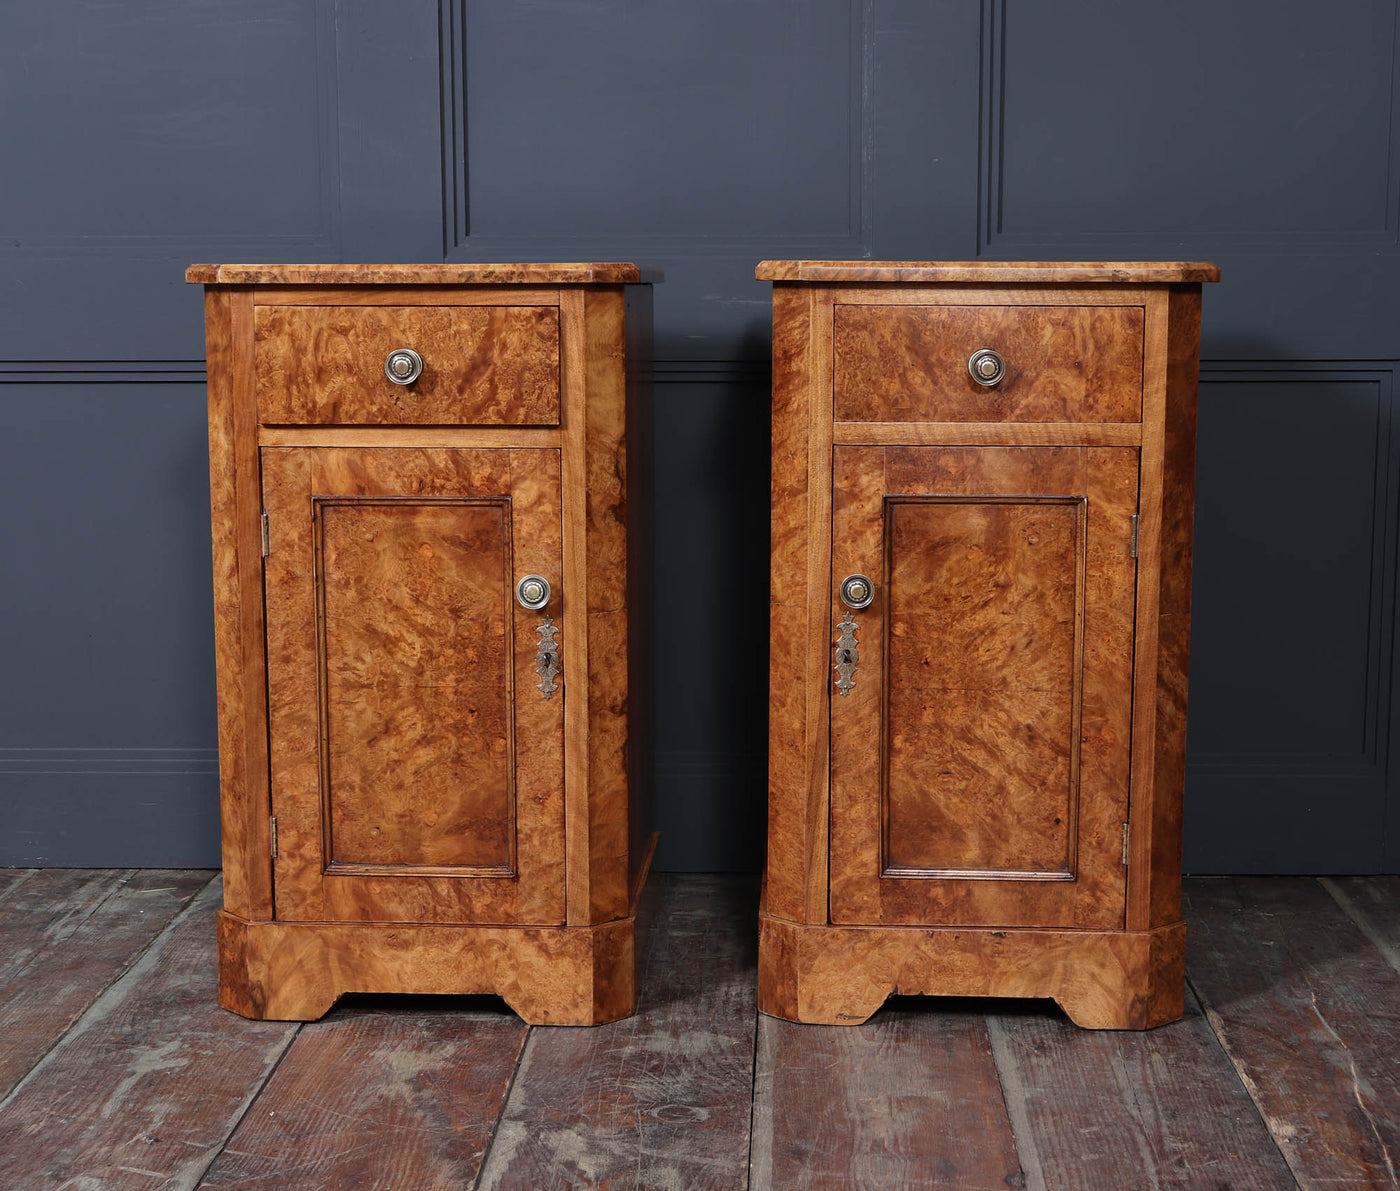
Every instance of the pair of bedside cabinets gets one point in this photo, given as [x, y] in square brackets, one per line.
[429, 489]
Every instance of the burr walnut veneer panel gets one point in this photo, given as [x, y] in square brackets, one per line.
[975, 780]
[1063, 363]
[427, 786]
[482, 365]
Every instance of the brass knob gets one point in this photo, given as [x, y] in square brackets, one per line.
[532, 592]
[986, 367]
[403, 366]
[857, 592]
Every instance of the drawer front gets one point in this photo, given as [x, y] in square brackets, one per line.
[1063, 363]
[482, 365]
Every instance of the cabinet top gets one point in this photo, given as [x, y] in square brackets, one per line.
[573, 273]
[1015, 272]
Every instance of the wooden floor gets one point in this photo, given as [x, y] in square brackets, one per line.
[118, 1070]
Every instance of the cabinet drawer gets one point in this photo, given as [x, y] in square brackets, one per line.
[1062, 363]
[482, 365]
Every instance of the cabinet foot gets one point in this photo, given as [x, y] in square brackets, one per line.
[840, 975]
[549, 975]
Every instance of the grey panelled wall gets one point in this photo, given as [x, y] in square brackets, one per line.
[697, 139]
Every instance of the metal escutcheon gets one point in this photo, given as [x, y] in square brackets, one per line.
[857, 592]
[986, 367]
[532, 592]
[403, 366]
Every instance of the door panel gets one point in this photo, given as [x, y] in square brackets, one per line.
[417, 772]
[415, 613]
[983, 628]
[979, 770]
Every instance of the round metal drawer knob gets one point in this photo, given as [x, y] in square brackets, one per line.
[857, 592]
[403, 366]
[986, 367]
[532, 592]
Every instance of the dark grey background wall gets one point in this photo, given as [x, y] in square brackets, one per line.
[697, 138]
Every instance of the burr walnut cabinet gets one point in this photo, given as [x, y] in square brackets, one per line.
[426, 579]
[981, 553]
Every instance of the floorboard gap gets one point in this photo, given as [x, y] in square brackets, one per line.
[128, 972]
[501, 1111]
[1013, 1098]
[237, 1118]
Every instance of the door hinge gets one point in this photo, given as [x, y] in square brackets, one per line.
[273, 820]
[1125, 845]
[267, 535]
[1134, 520]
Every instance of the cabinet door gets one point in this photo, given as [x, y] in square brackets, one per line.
[417, 765]
[980, 760]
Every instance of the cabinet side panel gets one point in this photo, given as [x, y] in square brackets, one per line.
[235, 505]
[607, 586]
[641, 437]
[1174, 608]
[791, 754]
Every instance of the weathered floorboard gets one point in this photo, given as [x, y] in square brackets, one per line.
[1373, 903]
[909, 1099]
[143, 1092]
[1124, 1108]
[89, 932]
[383, 1092]
[44, 908]
[661, 1099]
[11, 879]
[1309, 1011]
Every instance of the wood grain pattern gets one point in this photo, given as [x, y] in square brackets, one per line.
[65, 936]
[578, 845]
[1016, 434]
[1304, 1005]
[1161, 863]
[419, 1112]
[839, 975]
[146, 1088]
[609, 577]
[790, 831]
[523, 273]
[372, 436]
[1119, 1109]
[236, 503]
[909, 1101]
[560, 975]
[1373, 903]
[416, 627]
[1063, 363]
[660, 1100]
[395, 737]
[481, 364]
[404, 295]
[971, 622]
[983, 641]
[990, 272]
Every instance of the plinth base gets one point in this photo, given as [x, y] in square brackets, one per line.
[839, 975]
[550, 975]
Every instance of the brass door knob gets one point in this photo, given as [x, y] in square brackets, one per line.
[857, 592]
[986, 367]
[403, 366]
[532, 592]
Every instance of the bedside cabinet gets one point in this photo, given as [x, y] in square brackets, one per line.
[429, 592]
[980, 616]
